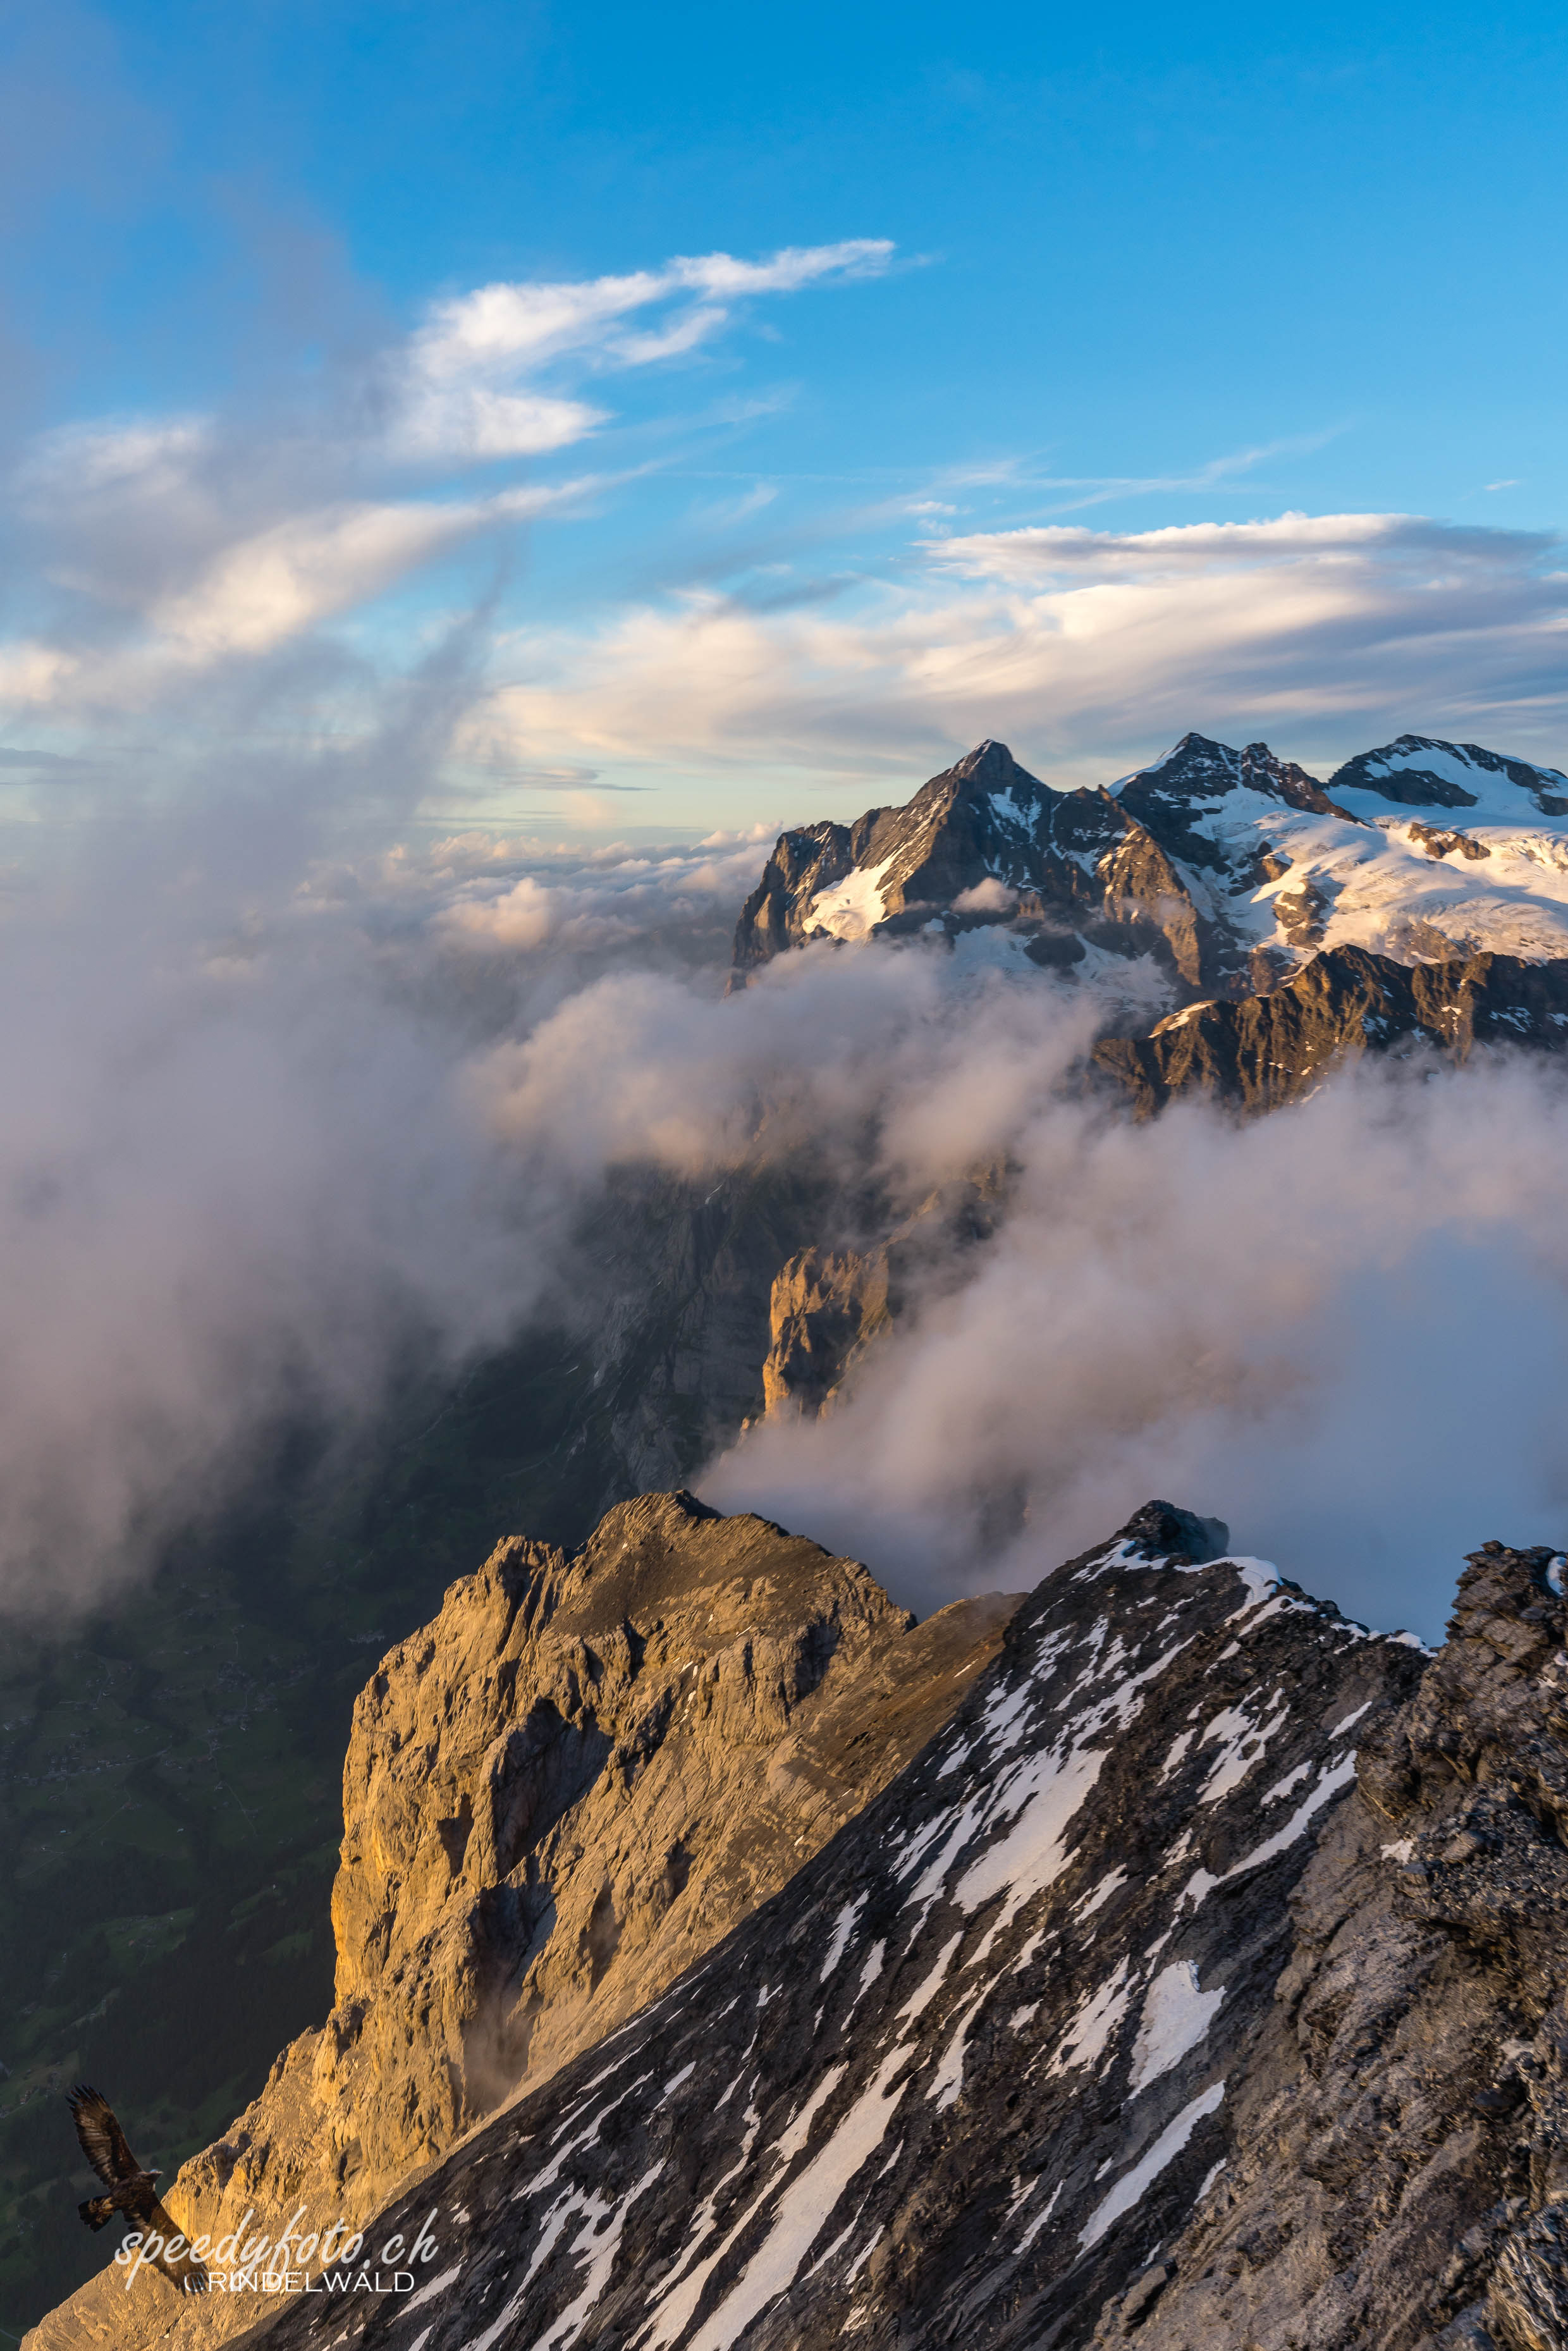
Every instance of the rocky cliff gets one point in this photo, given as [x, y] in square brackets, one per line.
[829, 1306]
[557, 1796]
[1201, 1981]
[970, 2073]
[1274, 1047]
[1399, 2167]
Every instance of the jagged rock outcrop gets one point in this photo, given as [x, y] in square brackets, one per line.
[827, 1304]
[971, 2069]
[1274, 1047]
[557, 1796]
[1399, 2174]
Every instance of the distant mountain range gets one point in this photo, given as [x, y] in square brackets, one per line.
[1231, 867]
[1244, 880]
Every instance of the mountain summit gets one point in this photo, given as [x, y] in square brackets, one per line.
[1237, 879]
[1229, 868]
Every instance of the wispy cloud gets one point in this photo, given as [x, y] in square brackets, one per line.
[164, 546]
[1044, 487]
[464, 387]
[1041, 552]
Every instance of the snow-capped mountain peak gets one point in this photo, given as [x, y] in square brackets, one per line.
[1419, 772]
[1230, 870]
[1197, 768]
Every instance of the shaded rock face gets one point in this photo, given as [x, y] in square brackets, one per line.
[1401, 2168]
[1276, 1047]
[676, 1321]
[557, 1796]
[975, 2066]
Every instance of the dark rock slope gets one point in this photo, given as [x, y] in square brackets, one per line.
[970, 2075]
[1401, 2169]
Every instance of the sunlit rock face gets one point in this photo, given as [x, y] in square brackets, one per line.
[582, 1773]
[975, 2066]
[1418, 899]
[1274, 1047]
[558, 1794]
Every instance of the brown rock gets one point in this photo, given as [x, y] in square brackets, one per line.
[557, 1795]
[826, 1305]
[1397, 2140]
[1275, 1048]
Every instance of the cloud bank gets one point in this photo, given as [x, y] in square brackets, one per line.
[1343, 1327]
[270, 1141]
[1087, 650]
[249, 1176]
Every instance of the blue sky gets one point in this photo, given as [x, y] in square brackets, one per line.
[1137, 286]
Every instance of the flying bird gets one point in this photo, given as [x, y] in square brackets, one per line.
[130, 2188]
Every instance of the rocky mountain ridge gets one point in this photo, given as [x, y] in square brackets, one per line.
[971, 2073]
[1200, 1980]
[1230, 868]
[1202, 1983]
[557, 1796]
[1274, 1047]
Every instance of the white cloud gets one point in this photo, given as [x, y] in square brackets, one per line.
[1083, 649]
[1048, 551]
[32, 674]
[521, 917]
[1276, 1323]
[270, 586]
[454, 388]
[76, 460]
[471, 420]
[262, 590]
[250, 1157]
[188, 539]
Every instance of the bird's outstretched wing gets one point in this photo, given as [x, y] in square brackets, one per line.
[102, 2141]
[182, 2270]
